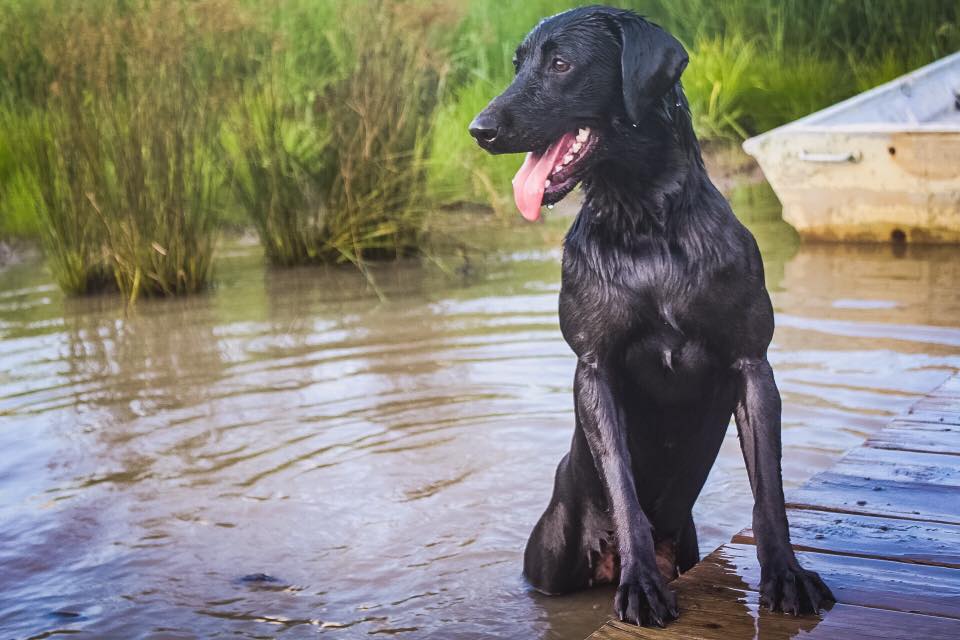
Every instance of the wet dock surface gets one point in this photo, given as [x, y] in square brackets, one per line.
[881, 527]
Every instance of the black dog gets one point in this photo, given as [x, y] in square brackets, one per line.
[663, 301]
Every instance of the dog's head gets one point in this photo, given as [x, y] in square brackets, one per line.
[582, 76]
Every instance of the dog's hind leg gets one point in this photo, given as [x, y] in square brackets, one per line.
[688, 549]
[676, 554]
[572, 546]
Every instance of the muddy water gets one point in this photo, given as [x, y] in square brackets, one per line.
[292, 456]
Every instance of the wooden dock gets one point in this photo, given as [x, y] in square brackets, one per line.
[882, 528]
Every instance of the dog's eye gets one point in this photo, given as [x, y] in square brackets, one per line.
[559, 65]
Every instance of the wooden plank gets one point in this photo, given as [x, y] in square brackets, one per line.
[905, 436]
[930, 411]
[951, 384]
[848, 494]
[937, 403]
[943, 406]
[842, 623]
[949, 389]
[906, 423]
[899, 466]
[881, 584]
[950, 393]
[872, 537]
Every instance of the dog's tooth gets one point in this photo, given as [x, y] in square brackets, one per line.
[567, 158]
[576, 147]
[557, 168]
[582, 135]
[546, 184]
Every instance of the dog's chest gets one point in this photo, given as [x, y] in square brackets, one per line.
[610, 299]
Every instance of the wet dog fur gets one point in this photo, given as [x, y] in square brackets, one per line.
[663, 302]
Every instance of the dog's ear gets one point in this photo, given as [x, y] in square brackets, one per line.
[651, 62]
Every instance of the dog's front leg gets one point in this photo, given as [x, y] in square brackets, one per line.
[642, 596]
[784, 584]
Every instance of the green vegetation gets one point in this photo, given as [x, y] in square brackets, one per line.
[132, 131]
[754, 64]
[338, 171]
[114, 130]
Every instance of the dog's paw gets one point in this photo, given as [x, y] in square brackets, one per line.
[793, 589]
[645, 601]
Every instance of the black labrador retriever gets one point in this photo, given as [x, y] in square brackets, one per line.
[663, 301]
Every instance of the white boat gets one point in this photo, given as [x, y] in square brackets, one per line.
[883, 165]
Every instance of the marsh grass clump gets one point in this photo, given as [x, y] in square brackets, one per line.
[278, 161]
[123, 153]
[338, 172]
[51, 181]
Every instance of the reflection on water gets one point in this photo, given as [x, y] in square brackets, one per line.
[379, 462]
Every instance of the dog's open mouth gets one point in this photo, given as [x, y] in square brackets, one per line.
[546, 178]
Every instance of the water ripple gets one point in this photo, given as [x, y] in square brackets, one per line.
[383, 458]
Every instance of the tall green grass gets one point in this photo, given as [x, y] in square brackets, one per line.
[18, 187]
[132, 131]
[757, 64]
[337, 170]
[118, 150]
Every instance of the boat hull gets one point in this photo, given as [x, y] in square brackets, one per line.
[867, 185]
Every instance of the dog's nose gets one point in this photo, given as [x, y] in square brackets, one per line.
[484, 128]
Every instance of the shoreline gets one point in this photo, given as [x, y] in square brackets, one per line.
[727, 164]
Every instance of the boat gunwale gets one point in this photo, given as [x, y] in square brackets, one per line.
[878, 128]
[804, 124]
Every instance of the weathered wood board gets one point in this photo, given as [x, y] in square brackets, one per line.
[866, 582]
[882, 528]
[871, 537]
[900, 466]
[936, 411]
[907, 436]
[849, 494]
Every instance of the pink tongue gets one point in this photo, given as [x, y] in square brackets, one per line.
[528, 183]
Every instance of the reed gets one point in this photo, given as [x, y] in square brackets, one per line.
[18, 187]
[122, 158]
[336, 170]
[757, 64]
